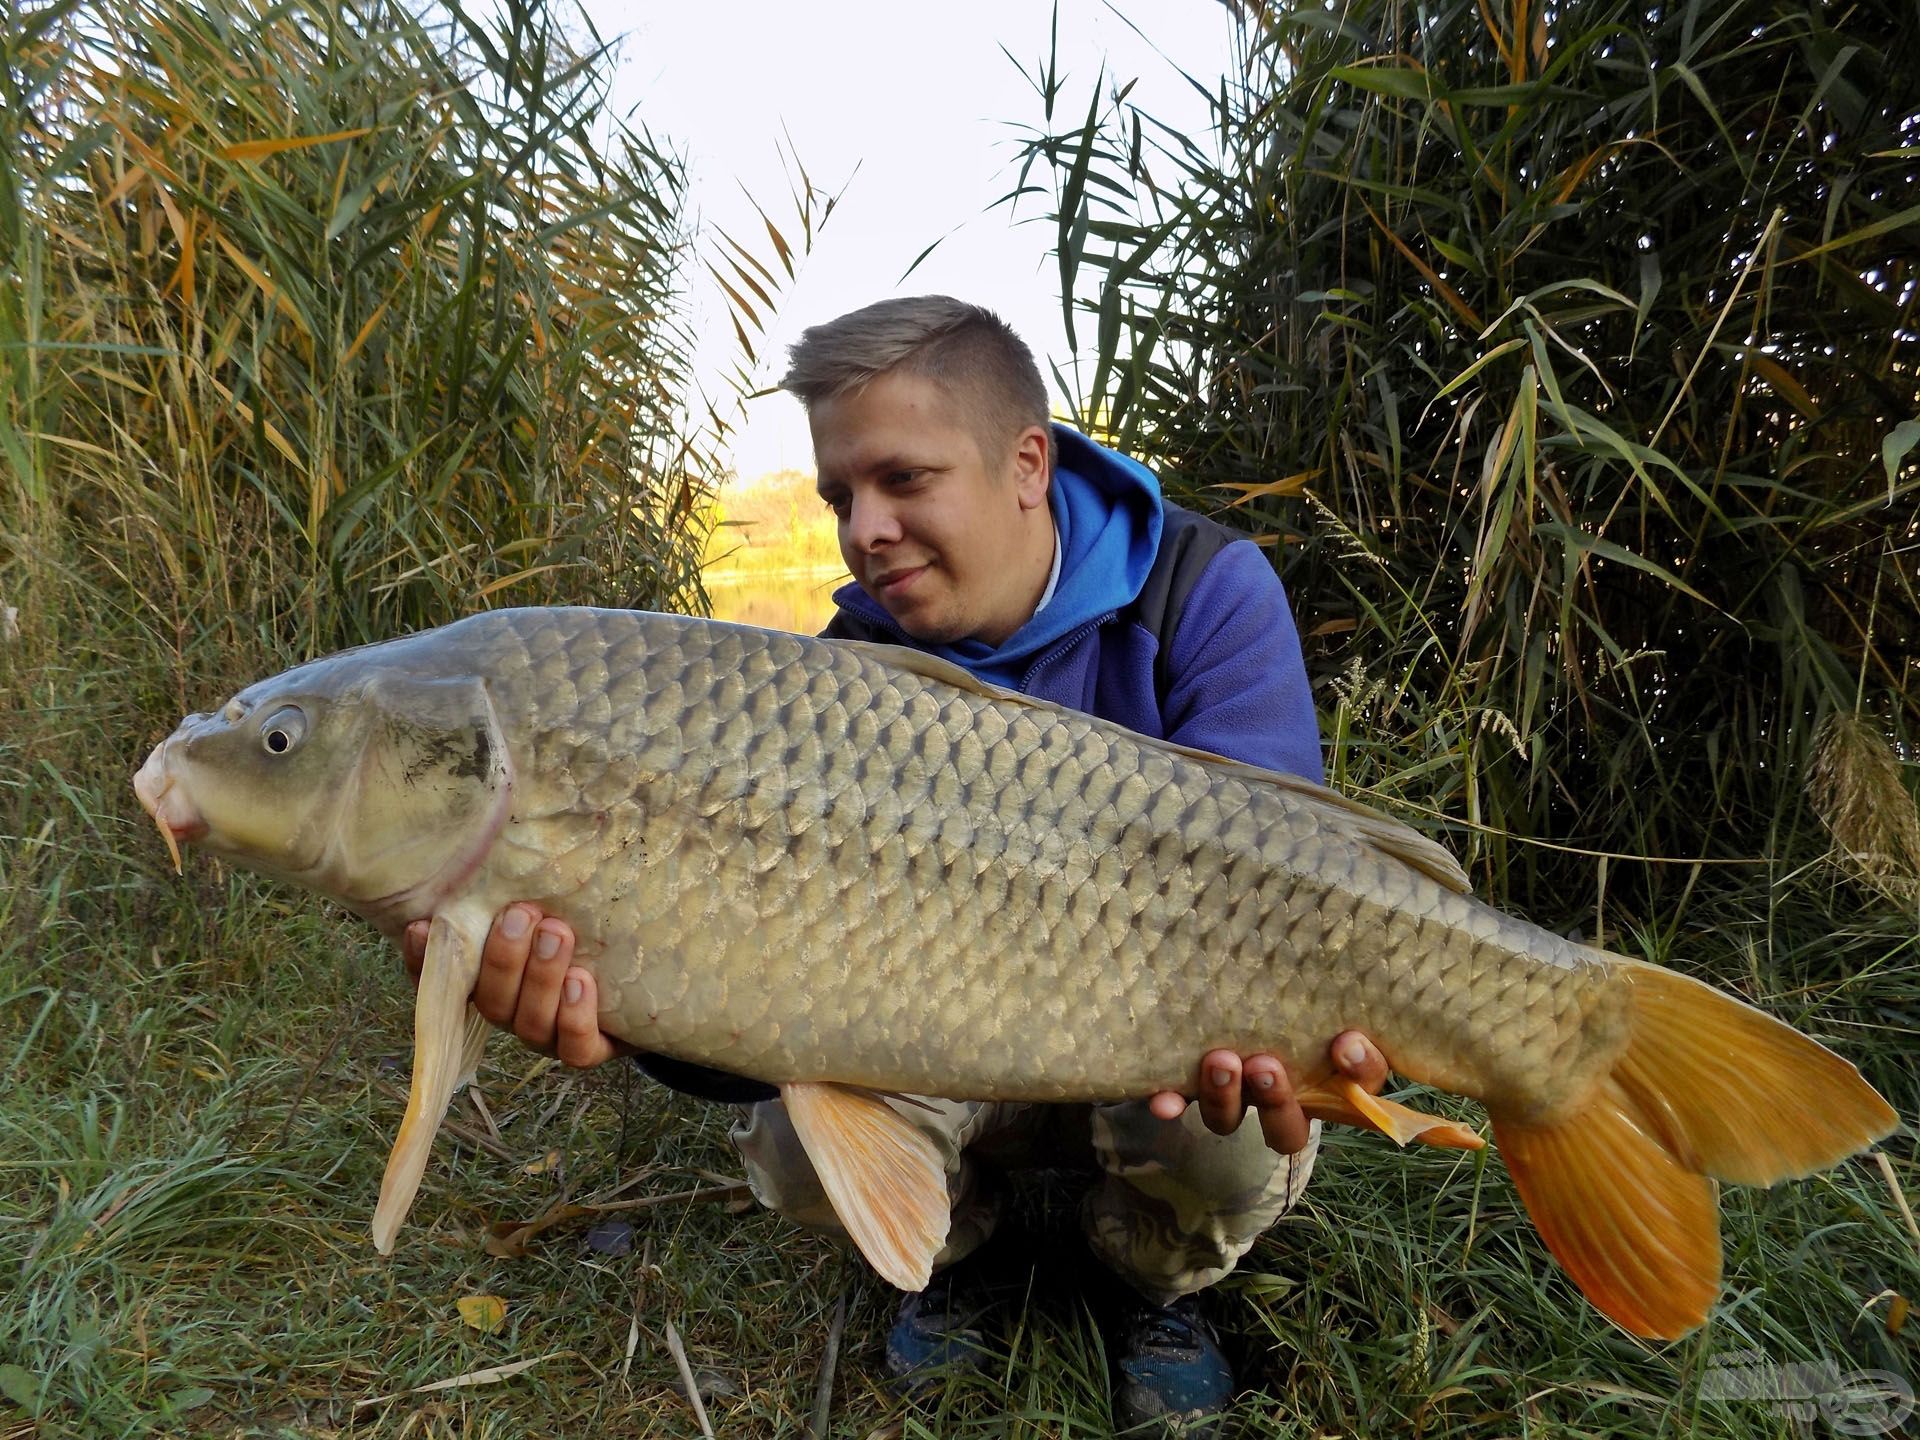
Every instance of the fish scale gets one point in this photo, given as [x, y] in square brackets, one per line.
[969, 848]
[835, 865]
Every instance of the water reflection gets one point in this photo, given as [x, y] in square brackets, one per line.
[796, 600]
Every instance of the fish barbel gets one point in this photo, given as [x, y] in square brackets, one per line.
[848, 868]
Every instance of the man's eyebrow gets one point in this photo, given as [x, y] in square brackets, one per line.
[876, 465]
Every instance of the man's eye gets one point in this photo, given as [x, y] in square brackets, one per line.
[903, 477]
[836, 503]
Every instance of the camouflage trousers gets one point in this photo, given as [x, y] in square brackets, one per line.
[1172, 1209]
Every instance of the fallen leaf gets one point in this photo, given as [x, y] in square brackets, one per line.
[716, 1384]
[1897, 1315]
[485, 1313]
[547, 1162]
[610, 1237]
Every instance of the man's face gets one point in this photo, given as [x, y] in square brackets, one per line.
[942, 536]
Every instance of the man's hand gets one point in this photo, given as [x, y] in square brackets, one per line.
[1227, 1085]
[529, 984]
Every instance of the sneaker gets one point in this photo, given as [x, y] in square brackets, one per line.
[934, 1333]
[1170, 1369]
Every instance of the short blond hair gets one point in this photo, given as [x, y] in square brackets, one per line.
[966, 349]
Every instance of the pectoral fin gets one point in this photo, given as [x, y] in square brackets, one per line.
[1345, 1102]
[447, 1037]
[473, 1049]
[884, 1175]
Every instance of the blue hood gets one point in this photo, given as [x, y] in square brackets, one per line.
[1107, 512]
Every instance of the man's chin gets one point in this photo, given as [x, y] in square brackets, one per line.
[924, 628]
[925, 635]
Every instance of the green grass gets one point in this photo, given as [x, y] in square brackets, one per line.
[203, 1072]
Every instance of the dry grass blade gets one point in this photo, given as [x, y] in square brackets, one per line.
[491, 1375]
[1899, 1196]
[510, 1239]
[679, 1353]
[829, 1359]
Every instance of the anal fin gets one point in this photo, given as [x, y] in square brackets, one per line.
[1344, 1101]
[884, 1175]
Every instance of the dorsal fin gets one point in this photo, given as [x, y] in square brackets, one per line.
[1339, 813]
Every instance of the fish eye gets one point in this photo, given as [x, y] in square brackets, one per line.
[283, 730]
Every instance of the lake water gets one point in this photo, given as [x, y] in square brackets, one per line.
[796, 600]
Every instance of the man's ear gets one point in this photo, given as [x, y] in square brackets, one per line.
[1031, 470]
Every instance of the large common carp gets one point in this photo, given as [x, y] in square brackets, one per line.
[848, 868]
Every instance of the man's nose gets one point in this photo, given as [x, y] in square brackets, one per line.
[871, 523]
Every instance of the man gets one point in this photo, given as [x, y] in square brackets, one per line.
[977, 530]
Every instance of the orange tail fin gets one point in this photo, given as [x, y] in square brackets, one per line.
[1707, 1087]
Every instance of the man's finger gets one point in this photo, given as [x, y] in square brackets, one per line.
[1167, 1105]
[1283, 1123]
[503, 961]
[1221, 1105]
[1359, 1059]
[579, 1041]
[1285, 1127]
[537, 1013]
[413, 948]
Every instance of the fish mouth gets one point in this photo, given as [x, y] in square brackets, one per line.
[167, 803]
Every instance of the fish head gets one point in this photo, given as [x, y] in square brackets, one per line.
[373, 784]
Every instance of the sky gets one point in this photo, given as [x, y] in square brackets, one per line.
[913, 114]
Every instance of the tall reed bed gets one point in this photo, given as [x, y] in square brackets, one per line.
[319, 321]
[1567, 356]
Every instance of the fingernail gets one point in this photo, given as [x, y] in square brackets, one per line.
[516, 924]
[547, 945]
[1220, 1078]
[1261, 1080]
[572, 989]
[1353, 1053]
